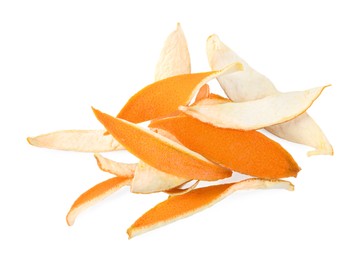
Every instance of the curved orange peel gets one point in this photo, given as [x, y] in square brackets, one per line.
[161, 152]
[178, 207]
[165, 96]
[248, 152]
[93, 141]
[95, 194]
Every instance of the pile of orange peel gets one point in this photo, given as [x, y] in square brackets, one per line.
[194, 135]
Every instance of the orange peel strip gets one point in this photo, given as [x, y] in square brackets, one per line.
[93, 141]
[95, 194]
[174, 58]
[178, 207]
[161, 152]
[256, 114]
[116, 168]
[165, 96]
[248, 152]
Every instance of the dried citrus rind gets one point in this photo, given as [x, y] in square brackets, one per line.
[161, 152]
[116, 168]
[196, 200]
[95, 194]
[255, 114]
[247, 152]
[165, 96]
[93, 141]
[174, 58]
[180, 191]
[250, 85]
[148, 179]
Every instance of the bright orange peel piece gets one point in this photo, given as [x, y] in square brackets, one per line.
[165, 96]
[95, 194]
[178, 207]
[161, 152]
[248, 152]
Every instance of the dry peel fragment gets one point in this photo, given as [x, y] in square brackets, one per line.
[248, 152]
[178, 207]
[174, 58]
[160, 152]
[255, 114]
[116, 168]
[165, 96]
[250, 85]
[203, 93]
[77, 140]
[212, 99]
[148, 179]
[180, 191]
[95, 194]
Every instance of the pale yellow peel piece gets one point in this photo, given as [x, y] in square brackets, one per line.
[95, 194]
[250, 85]
[303, 130]
[93, 141]
[116, 168]
[196, 200]
[147, 179]
[244, 85]
[255, 114]
[174, 58]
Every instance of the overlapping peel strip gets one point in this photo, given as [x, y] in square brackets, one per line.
[255, 114]
[165, 96]
[196, 200]
[249, 84]
[161, 152]
[148, 179]
[247, 152]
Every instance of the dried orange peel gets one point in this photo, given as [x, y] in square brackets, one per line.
[174, 58]
[270, 110]
[249, 84]
[177, 150]
[178, 207]
[93, 141]
[165, 96]
[95, 194]
[248, 152]
[160, 152]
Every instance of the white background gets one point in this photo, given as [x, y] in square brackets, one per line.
[58, 58]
